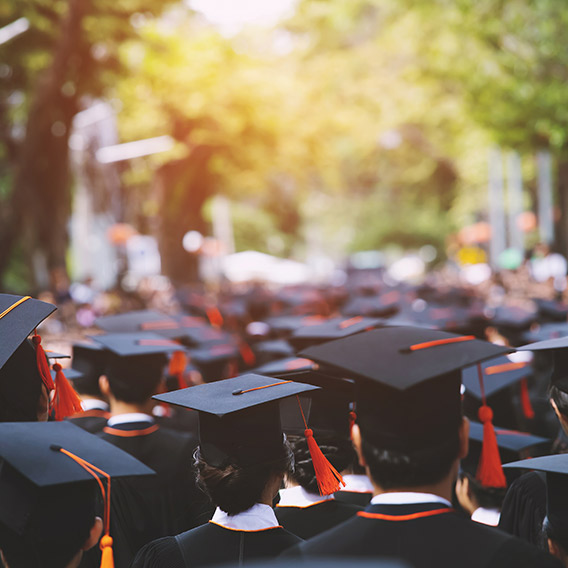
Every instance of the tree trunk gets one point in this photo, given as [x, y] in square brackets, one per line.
[38, 208]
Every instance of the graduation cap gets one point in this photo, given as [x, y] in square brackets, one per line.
[212, 360]
[557, 311]
[512, 445]
[138, 320]
[369, 306]
[239, 422]
[334, 328]
[556, 469]
[19, 316]
[72, 374]
[274, 348]
[546, 331]
[285, 325]
[407, 381]
[498, 374]
[286, 366]
[135, 359]
[41, 463]
[559, 349]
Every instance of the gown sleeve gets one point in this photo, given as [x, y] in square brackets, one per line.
[160, 553]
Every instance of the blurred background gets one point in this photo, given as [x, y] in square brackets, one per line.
[160, 142]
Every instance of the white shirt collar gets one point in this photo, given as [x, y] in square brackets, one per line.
[259, 517]
[128, 418]
[299, 497]
[94, 404]
[357, 483]
[486, 516]
[407, 498]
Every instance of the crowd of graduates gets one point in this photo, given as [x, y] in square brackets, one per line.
[418, 426]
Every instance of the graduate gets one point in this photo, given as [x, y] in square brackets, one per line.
[241, 460]
[555, 524]
[49, 485]
[28, 392]
[88, 364]
[170, 502]
[410, 435]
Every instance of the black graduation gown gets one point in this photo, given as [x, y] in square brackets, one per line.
[426, 535]
[91, 420]
[146, 508]
[312, 520]
[359, 498]
[213, 544]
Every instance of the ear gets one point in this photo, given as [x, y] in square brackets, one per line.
[464, 438]
[104, 385]
[94, 534]
[356, 441]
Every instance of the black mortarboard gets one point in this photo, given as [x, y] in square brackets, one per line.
[212, 360]
[512, 445]
[72, 374]
[285, 366]
[239, 418]
[273, 349]
[55, 355]
[559, 349]
[18, 318]
[135, 359]
[331, 329]
[557, 311]
[546, 331]
[139, 320]
[31, 462]
[407, 381]
[512, 318]
[285, 325]
[556, 469]
[370, 307]
[498, 374]
[132, 344]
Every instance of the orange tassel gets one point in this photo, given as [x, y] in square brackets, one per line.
[177, 366]
[247, 354]
[328, 478]
[214, 316]
[526, 400]
[352, 422]
[67, 402]
[42, 364]
[107, 558]
[489, 471]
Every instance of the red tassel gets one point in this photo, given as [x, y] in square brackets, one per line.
[107, 558]
[526, 400]
[489, 471]
[177, 366]
[67, 401]
[42, 364]
[214, 316]
[328, 478]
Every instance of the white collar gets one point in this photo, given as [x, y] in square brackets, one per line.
[407, 498]
[128, 418]
[357, 483]
[259, 517]
[299, 497]
[94, 404]
[486, 516]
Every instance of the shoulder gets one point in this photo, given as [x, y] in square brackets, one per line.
[161, 553]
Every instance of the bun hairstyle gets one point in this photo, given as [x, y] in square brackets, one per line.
[234, 488]
[339, 451]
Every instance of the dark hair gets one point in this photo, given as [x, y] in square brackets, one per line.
[391, 469]
[339, 451]
[558, 534]
[560, 398]
[135, 380]
[56, 531]
[235, 489]
[20, 386]
[487, 497]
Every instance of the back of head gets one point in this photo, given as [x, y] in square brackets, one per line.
[55, 531]
[134, 379]
[20, 386]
